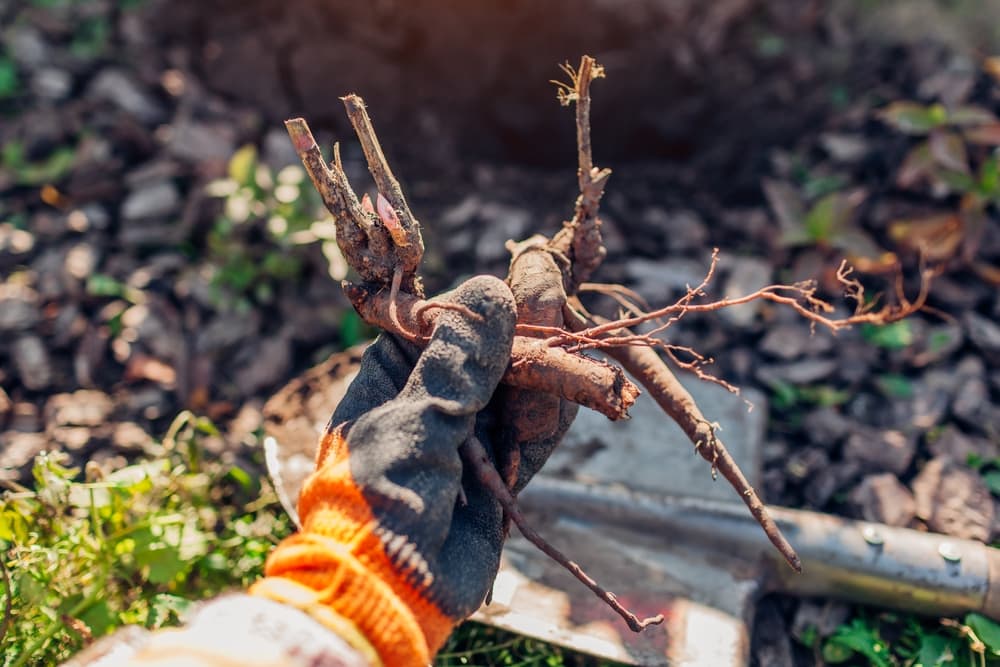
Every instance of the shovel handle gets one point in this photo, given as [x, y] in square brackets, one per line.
[856, 561]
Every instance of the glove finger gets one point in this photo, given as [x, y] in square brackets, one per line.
[470, 555]
[403, 454]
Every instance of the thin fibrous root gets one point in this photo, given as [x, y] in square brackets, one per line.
[800, 297]
[474, 455]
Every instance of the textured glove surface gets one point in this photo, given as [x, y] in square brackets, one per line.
[385, 540]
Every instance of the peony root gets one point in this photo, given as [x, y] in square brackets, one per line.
[383, 244]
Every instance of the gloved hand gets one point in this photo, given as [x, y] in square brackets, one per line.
[395, 537]
[399, 542]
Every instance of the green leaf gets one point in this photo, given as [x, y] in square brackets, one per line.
[243, 165]
[9, 82]
[350, 329]
[241, 477]
[206, 426]
[99, 618]
[808, 635]
[859, 638]
[158, 523]
[770, 46]
[835, 653]
[936, 650]
[818, 186]
[164, 562]
[824, 395]
[215, 562]
[830, 218]
[102, 285]
[785, 395]
[822, 218]
[913, 118]
[29, 589]
[955, 181]
[893, 385]
[989, 177]
[239, 273]
[90, 38]
[264, 292]
[11, 526]
[48, 170]
[938, 340]
[165, 609]
[894, 336]
[986, 629]
[992, 480]
[281, 265]
[12, 154]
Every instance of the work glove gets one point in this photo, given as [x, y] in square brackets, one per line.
[396, 535]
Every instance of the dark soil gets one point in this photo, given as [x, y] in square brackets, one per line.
[454, 86]
[703, 101]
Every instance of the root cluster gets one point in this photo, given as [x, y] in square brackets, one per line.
[383, 244]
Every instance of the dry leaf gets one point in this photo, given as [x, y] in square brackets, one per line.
[913, 118]
[864, 253]
[916, 168]
[987, 272]
[948, 151]
[144, 367]
[984, 135]
[787, 206]
[971, 116]
[992, 67]
[937, 237]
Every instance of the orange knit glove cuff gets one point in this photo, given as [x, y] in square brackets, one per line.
[339, 557]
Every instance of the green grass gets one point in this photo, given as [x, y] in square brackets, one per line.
[134, 547]
[84, 553]
[477, 645]
[885, 639]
